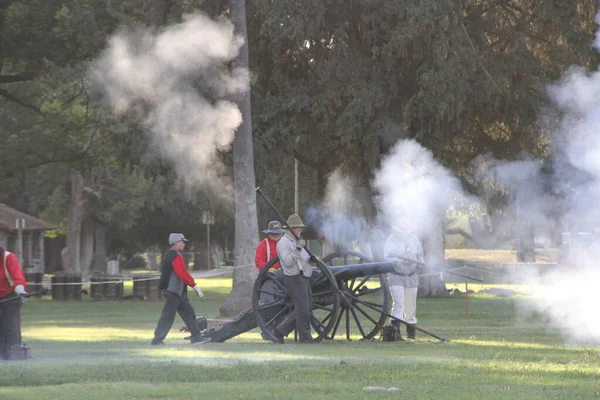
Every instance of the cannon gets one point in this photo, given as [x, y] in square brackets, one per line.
[350, 295]
[346, 297]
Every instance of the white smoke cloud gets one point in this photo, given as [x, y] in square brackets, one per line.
[411, 182]
[341, 219]
[569, 296]
[569, 299]
[176, 82]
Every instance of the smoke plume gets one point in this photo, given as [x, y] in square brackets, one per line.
[175, 82]
[569, 296]
[411, 182]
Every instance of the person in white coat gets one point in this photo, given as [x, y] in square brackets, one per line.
[404, 247]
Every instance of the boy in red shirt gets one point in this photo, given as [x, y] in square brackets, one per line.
[12, 285]
[267, 248]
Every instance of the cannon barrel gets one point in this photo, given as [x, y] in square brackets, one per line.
[361, 270]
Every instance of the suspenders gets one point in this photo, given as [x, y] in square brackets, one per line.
[268, 250]
[8, 276]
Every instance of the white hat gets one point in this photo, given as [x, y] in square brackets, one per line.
[176, 237]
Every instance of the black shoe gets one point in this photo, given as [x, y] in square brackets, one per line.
[156, 342]
[275, 336]
[199, 339]
[411, 331]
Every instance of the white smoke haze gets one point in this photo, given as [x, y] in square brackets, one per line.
[569, 299]
[176, 81]
[530, 202]
[569, 296]
[411, 182]
[340, 220]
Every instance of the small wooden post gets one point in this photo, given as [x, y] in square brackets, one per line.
[208, 219]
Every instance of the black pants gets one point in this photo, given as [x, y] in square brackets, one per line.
[10, 331]
[175, 304]
[298, 288]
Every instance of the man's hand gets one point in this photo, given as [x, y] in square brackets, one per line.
[272, 270]
[20, 290]
[198, 291]
[300, 243]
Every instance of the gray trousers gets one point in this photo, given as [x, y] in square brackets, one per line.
[175, 304]
[298, 287]
[10, 330]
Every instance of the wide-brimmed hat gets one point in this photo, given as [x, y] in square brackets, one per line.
[294, 221]
[176, 237]
[274, 228]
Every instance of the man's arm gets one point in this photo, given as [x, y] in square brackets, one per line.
[420, 252]
[288, 255]
[15, 271]
[260, 257]
[179, 268]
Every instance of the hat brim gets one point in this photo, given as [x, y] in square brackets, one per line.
[296, 226]
[274, 231]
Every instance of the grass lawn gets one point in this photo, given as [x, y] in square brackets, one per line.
[100, 350]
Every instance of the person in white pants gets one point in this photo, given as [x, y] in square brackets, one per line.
[402, 246]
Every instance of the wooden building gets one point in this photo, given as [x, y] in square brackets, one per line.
[23, 234]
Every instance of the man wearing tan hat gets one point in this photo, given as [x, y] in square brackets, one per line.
[294, 260]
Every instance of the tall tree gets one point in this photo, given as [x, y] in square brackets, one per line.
[246, 224]
[461, 78]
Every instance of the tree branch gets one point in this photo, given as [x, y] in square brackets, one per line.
[20, 77]
[13, 98]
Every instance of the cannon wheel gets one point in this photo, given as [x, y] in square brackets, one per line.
[363, 309]
[325, 302]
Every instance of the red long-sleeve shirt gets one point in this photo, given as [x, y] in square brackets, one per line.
[15, 271]
[179, 268]
[261, 257]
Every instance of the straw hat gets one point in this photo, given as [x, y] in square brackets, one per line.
[294, 221]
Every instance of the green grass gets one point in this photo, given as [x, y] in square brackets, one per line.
[100, 350]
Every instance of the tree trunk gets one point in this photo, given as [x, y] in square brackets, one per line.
[99, 263]
[87, 247]
[71, 253]
[525, 242]
[246, 222]
[434, 247]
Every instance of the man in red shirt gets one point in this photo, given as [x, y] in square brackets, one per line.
[12, 285]
[174, 281]
[267, 248]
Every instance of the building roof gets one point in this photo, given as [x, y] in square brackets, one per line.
[9, 216]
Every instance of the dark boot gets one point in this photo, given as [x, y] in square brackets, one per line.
[411, 331]
[397, 324]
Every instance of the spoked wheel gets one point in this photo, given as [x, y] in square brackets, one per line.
[271, 302]
[364, 300]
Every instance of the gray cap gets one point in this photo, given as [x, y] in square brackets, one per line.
[176, 237]
[275, 228]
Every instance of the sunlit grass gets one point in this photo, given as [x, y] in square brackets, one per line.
[499, 256]
[100, 350]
